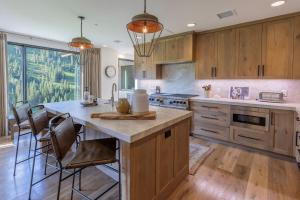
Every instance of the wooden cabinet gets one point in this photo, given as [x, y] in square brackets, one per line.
[180, 49]
[249, 51]
[165, 158]
[282, 125]
[226, 48]
[206, 55]
[159, 51]
[277, 48]
[296, 61]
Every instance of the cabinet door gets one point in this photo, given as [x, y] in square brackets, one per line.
[185, 48]
[277, 49]
[249, 51]
[206, 55]
[165, 158]
[296, 62]
[226, 42]
[181, 156]
[282, 123]
[171, 49]
[159, 52]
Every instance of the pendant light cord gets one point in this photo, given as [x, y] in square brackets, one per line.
[145, 6]
[81, 26]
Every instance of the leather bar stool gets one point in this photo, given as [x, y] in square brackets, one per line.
[88, 153]
[20, 114]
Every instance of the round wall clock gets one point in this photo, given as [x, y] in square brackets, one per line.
[110, 71]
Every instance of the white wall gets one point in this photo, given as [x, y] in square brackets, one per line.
[108, 57]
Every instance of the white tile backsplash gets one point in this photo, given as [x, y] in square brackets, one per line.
[180, 78]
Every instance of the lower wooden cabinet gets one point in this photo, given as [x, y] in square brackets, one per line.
[159, 163]
[283, 127]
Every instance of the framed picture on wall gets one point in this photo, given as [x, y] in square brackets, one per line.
[239, 92]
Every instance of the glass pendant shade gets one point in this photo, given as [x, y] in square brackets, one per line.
[144, 29]
[81, 42]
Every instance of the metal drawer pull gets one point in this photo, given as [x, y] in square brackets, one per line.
[210, 107]
[209, 131]
[209, 117]
[249, 138]
[297, 138]
[167, 133]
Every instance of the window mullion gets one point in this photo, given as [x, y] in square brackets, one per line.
[24, 74]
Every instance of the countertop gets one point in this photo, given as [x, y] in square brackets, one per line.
[125, 130]
[252, 103]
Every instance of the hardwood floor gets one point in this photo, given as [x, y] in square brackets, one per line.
[235, 174]
[228, 173]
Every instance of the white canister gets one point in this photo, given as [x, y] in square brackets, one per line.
[139, 101]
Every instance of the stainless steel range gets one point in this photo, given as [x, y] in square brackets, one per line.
[179, 101]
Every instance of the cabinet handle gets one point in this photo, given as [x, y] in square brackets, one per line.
[212, 72]
[258, 70]
[263, 70]
[215, 71]
[203, 129]
[242, 136]
[297, 138]
[210, 107]
[167, 133]
[205, 117]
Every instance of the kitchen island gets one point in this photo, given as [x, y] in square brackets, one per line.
[154, 153]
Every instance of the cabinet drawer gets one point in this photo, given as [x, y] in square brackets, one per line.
[212, 117]
[257, 139]
[211, 130]
[200, 106]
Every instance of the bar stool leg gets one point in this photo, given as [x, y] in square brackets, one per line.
[46, 162]
[32, 170]
[17, 150]
[73, 181]
[30, 145]
[80, 180]
[120, 170]
[59, 183]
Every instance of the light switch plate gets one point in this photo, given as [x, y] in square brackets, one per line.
[285, 93]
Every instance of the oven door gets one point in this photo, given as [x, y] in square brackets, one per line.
[251, 119]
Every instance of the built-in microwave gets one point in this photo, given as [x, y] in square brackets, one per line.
[248, 117]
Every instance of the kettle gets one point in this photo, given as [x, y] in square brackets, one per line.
[139, 102]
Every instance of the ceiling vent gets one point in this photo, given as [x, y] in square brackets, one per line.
[226, 14]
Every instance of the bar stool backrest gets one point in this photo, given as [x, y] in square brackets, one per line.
[63, 137]
[38, 119]
[20, 112]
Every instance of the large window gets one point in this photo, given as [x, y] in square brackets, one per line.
[127, 74]
[41, 75]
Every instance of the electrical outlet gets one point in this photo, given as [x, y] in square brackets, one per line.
[285, 93]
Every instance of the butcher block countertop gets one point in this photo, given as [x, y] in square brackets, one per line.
[125, 130]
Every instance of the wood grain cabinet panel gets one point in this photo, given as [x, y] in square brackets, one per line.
[282, 125]
[206, 55]
[249, 51]
[296, 61]
[159, 51]
[181, 138]
[165, 158]
[171, 49]
[277, 51]
[226, 43]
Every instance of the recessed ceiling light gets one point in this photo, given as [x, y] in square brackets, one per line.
[191, 25]
[277, 3]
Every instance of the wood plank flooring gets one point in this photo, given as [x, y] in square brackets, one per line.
[229, 173]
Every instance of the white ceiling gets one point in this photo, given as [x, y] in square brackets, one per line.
[57, 19]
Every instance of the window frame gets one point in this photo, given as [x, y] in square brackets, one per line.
[24, 67]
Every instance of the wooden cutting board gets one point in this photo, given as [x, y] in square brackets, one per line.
[151, 115]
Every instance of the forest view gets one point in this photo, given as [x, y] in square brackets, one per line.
[43, 76]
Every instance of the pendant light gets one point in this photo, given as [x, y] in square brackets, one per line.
[81, 42]
[144, 29]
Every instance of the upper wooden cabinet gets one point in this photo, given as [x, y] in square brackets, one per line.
[296, 61]
[159, 51]
[277, 54]
[206, 55]
[180, 49]
[226, 48]
[249, 51]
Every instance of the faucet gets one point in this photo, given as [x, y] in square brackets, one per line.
[113, 89]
